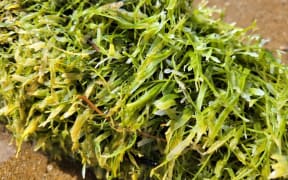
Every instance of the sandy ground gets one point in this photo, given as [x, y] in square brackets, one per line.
[31, 165]
[272, 23]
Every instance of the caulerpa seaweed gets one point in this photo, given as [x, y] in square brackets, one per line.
[137, 89]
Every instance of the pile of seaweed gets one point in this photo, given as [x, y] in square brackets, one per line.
[146, 88]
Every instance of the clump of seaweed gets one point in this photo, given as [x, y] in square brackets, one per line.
[143, 88]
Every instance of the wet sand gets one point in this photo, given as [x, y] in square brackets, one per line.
[272, 24]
